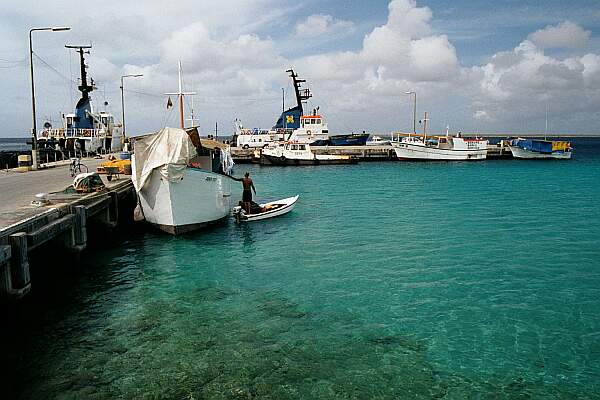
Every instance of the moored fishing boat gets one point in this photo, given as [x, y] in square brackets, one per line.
[181, 180]
[292, 153]
[440, 148]
[540, 149]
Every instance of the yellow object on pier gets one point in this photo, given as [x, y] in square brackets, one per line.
[124, 166]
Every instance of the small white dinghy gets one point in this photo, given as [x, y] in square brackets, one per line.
[267, 210]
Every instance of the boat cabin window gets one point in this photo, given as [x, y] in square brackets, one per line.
[104, 121]
[301, 147]
[294, 147]
[318, 121]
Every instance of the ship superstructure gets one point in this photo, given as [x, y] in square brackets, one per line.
[288, 121]
[84, 129]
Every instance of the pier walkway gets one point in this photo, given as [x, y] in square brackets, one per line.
[24, 226]
[18, 189]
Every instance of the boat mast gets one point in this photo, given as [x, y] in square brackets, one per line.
[192, 119]
[301, 95]
[425, 127]
[84, 88]
[180, 94]
[546, 131]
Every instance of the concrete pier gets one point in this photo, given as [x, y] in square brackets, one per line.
[25, 227]
[362, 153]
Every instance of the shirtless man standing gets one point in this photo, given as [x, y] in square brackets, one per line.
[247, 193]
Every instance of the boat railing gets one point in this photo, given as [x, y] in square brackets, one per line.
[52, 133]
[72, 132]
[78, 132]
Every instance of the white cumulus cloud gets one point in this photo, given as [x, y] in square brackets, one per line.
[566, 34]
[320, 24]
[235, 56]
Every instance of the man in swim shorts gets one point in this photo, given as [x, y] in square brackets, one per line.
[247, 193]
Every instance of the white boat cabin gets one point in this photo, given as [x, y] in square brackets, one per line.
[312, 128]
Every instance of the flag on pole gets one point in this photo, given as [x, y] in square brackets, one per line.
[169, 103]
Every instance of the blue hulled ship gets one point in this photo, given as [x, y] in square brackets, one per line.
[83, 130]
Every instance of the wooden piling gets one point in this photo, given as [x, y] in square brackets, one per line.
[5, 281]
[80, 228]
[19, 265]
[114, 208]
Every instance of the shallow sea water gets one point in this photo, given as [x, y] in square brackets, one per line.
[389, 280]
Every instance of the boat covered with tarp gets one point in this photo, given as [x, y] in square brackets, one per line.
[182, 181]
[538, 148]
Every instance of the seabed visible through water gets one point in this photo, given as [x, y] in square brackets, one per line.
[389, 280]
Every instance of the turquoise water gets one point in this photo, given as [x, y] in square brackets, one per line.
[389, 280]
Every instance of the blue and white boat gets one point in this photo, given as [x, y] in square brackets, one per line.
[537, 148]
[84, 130]
[287, 123]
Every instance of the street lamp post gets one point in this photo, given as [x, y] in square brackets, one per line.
[283, 109]
[414, 110]
[123, 98]
[34, 149]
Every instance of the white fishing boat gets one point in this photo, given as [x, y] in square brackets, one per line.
[292, 153]
[181, 181]
[266, 210]
[440, 148]
[85, 130]
[377, 141]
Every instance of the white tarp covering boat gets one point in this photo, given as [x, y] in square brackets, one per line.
[180, 183]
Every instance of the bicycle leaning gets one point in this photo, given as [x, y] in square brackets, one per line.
[77, 167]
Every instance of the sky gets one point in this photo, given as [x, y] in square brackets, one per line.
[476, 66]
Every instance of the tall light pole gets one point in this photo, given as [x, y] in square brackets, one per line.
[34, 149]
[414, 110]
[123, 99]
